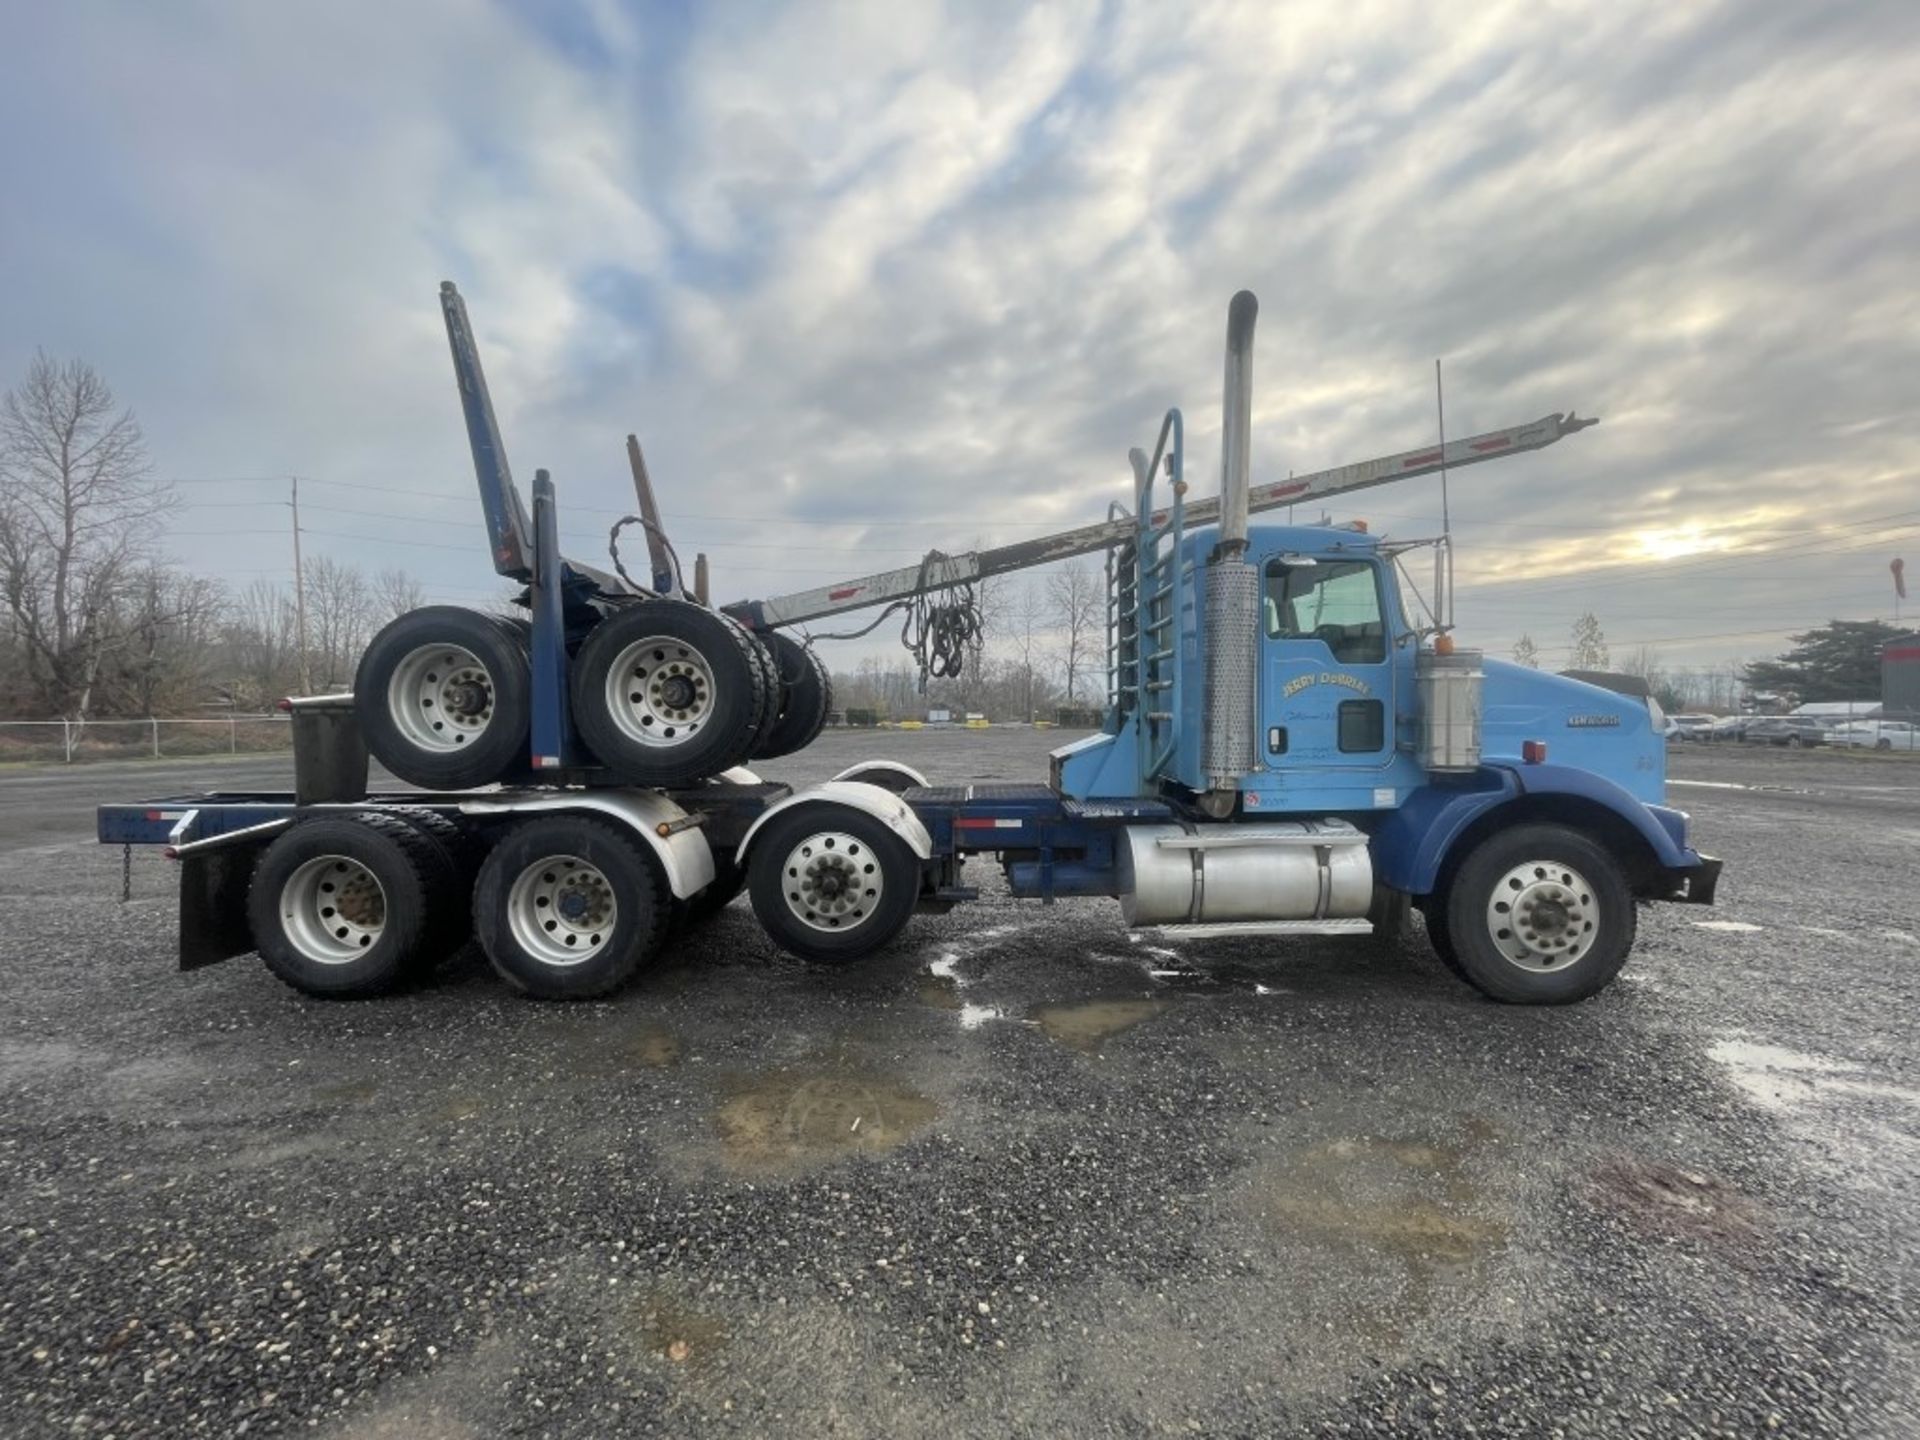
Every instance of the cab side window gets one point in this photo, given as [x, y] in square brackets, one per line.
[1336, 603]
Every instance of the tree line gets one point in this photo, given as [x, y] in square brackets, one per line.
[1836, 661]
[97, 624]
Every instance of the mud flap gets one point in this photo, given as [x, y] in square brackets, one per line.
[213, 905]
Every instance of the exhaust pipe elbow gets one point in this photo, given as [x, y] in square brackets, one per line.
[1236, 424]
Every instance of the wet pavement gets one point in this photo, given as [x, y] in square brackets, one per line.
[1025, 1174]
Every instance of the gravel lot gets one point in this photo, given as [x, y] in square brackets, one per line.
[1025, 1174]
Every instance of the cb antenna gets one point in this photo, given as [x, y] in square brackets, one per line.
[1445, 590]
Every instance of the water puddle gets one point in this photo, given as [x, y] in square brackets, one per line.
[648, 1045]
[1786, 1081]
[1088, 1024]
[941, 992]
[972, 1017]
[349, 1092]
[1409, 1204]
[675, 1331]
[788, 1119]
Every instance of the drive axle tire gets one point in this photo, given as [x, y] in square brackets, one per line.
[569, 908]
[342, 905]
[832, 884]
[442, 696]
[457, 855]
[668, 693]
[805, 698]
[1540, 915]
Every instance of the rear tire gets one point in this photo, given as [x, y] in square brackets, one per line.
[458, 853]
[1540, 915]
[443, 697]
[569, 908]
[667, 693]
[342, 906]
[832, 884]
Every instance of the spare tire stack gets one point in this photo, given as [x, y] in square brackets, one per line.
[664, 692]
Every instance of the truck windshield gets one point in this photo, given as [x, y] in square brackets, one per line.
[1335, 603]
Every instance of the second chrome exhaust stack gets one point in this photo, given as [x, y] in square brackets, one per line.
[1233, 586]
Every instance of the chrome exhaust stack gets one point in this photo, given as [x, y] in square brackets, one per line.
[1233, 586]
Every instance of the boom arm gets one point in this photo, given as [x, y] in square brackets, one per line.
[940, 571]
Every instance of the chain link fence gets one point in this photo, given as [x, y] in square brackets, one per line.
[73, 742]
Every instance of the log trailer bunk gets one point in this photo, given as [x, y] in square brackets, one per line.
[1285, 752]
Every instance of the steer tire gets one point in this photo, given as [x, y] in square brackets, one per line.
[636, 668]
[805, 698]
[443, 696]
[342, 906]
[861, 854]
[523, 907]
[1540, 915]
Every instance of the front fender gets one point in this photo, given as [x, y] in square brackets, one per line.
[883, 805]
[1412, 844]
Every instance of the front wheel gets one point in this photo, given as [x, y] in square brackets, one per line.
[1540, 915]
[832, 884]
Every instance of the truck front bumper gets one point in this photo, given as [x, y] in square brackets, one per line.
[1695, 884]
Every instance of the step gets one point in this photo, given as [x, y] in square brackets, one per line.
[1259, 927]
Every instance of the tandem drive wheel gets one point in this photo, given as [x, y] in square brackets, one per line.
[569, 908]
[348, 905]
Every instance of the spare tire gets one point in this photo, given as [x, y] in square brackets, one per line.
[667, 693]
[805, 698]
[443, 697]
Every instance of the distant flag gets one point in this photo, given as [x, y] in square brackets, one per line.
[1899, 569]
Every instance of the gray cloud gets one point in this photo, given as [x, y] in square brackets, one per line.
[937, 267]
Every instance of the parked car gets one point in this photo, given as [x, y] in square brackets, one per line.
[1875, 735]
[1689, 727]
[1793, 730]
[1728, 727]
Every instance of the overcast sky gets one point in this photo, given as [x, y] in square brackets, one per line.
[868, 278]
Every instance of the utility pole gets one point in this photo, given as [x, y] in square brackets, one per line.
[299, 594]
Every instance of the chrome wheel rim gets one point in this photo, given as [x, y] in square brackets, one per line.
[562, 911]
[832, 881]
[440, 697]
[1542, 916]
[660, 691]
[333, 909]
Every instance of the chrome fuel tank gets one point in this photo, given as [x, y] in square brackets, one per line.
[1295, 870]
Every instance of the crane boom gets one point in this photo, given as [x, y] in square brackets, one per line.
[938, 571]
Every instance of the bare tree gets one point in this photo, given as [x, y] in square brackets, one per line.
[168, 659]
[1023, 623]
[1076, 598]
[78, 513]
[395, 592]
[339, 613]
[1589, 650]
[260, 643]
[1526, 653]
